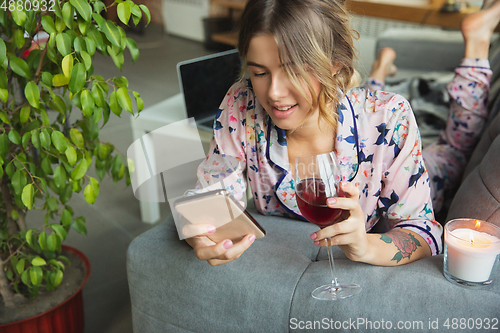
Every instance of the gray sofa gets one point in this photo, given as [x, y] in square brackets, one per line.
[269, 288]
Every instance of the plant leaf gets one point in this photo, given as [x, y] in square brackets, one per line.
[76, 137]
[83, 8]
[48, 24]
[29, 237]
[35, 139]
[25, 114]
[52, 242]
[18, 181]
[80, 170]
[78, 76]
[68, 14]
[58, 104]
[87, 60]
[4, 95]
[91, 46]
[3, 77]
[123, 11]
[14, 137]
[36, 275]
[118, 58]
[89, 194]
[138, 101]
[63, 42]
[32, 94]
[79, 44]
[27, 195]
[112, 33]
[98, 96]
[19, 17]
[59, 141]
[95, 186]
[20, 67]
[58, 277]
[146, 11]
[79, 225]
[18, 38]
[97, 115]
[20, 266]
[113, 104]
[45, 118]
[4, 117]
[132, 47]
[124, 99]
[71, 155]
[96, 36]
[60, 80]
[60, 176]
[45, 139]
[66, 218]
[3, 51]
[37, 261]
[87, 103]
[4, 144]
[67, 65]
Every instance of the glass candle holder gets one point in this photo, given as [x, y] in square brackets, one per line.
[471, 251]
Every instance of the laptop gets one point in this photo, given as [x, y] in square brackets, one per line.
[204, 83]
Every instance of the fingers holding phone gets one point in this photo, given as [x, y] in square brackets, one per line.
[191, 230]
[219, 253]
[217, 226]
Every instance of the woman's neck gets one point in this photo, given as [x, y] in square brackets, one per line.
[311, 139]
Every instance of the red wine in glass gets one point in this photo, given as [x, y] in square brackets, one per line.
[311, 199]
[317, 178]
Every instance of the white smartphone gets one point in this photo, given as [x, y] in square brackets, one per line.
[222, 210]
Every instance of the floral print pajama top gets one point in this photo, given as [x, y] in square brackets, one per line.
[447, 158]
[377, 144]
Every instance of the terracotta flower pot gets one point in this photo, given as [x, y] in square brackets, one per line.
[67, 317]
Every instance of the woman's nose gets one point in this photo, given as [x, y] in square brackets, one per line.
[278, 88]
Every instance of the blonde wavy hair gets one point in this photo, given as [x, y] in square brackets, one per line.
[313, 37]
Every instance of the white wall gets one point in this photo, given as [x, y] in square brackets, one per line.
[184, 17]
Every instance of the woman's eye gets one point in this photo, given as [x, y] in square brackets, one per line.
[259, 74]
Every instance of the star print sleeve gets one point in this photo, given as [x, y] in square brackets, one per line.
[405, 198]
[225, 164]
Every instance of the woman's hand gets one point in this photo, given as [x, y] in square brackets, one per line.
[217, 253]
[349, 234]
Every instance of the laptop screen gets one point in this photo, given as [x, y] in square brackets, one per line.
[205, 81]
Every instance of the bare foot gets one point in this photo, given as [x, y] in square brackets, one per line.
[384, 64]
[478, 27]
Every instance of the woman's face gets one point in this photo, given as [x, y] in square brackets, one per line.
[274, 90]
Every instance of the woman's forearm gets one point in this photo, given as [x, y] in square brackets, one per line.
[396, 247]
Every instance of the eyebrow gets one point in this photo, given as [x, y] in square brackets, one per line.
[254, 64]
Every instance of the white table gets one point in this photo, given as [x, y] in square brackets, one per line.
[153, 119]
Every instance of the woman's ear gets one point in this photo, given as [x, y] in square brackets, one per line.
[336, 68]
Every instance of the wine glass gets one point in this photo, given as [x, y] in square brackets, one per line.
[317, 177]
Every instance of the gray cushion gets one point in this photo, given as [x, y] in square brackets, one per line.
[419, 49]
[268, 289]
[491, 132]
[479, 194]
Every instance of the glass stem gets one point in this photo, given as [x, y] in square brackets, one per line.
[335, 283]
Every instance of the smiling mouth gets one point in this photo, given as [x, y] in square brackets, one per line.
[285, 108]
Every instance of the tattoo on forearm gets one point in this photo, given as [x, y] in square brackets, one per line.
[405, 242]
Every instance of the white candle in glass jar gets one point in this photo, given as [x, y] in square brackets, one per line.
[471, 254]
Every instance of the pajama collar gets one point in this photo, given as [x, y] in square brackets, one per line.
[347, 151]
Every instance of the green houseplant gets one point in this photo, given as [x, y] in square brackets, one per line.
[52, 107]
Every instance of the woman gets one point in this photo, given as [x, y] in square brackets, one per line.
[300, 57]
